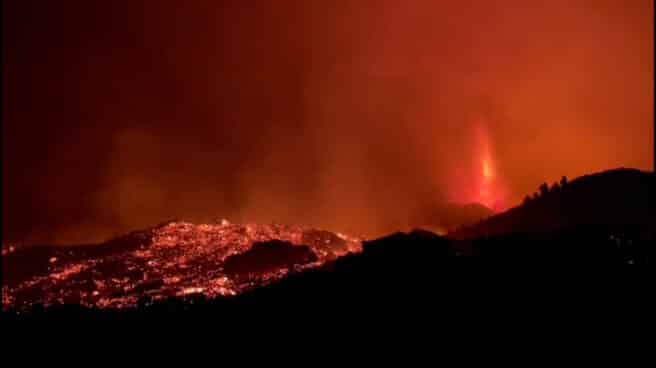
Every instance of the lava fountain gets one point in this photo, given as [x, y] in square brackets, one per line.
[477, 181]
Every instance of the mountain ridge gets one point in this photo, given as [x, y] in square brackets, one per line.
[617, 197]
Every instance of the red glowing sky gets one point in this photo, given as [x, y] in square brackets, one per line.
[355, 116]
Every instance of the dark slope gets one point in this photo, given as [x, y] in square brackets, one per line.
[265, 257]
[451, 216]
[615, 200]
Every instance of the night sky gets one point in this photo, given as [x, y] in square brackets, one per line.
[355, 116]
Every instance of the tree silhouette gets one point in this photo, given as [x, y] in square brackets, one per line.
[544, 189]
[527, 199]
[563, 182]
[555, 187]
[536, 195]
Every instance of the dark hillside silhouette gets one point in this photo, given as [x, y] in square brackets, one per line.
[612, 200]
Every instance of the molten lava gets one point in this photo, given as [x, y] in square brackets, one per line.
[176, 259]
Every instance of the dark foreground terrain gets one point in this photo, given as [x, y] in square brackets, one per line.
[417, 269]
[227, 271]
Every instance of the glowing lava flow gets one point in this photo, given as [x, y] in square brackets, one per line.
[175, 259]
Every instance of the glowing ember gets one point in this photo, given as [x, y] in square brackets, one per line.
[191, 290]
[8, 249]
[68, 272]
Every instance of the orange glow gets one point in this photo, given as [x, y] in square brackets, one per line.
[182, 259]
[481, 183]
[487, 170]
[491, 192]
[353, 116]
